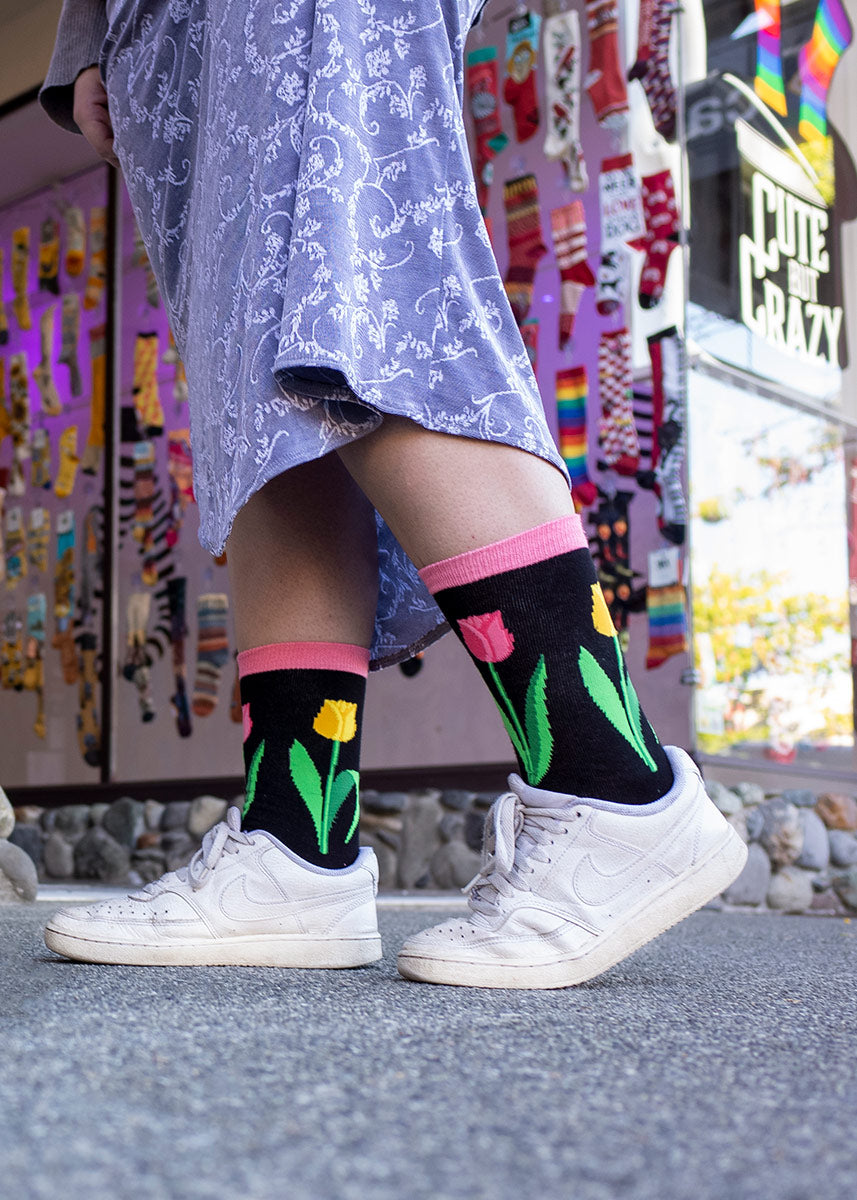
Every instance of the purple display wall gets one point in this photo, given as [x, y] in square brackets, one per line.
[52, 395]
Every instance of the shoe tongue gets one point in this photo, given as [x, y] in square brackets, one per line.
[536, 797]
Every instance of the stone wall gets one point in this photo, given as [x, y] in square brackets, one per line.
[802, 846]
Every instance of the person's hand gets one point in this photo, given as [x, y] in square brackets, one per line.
[91, 114]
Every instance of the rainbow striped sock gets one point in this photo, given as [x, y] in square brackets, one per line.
[571, 391]
[769, 72]
[831, 37]
[667, 623]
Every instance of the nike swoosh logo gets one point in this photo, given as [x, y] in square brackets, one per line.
[594, 887]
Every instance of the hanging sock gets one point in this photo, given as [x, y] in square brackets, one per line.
[38, 536]
[171, 358]
[15, 548]
[69, 335]
[97, 257]
[13, 651]
[69, 461]
[180, 472]
[40, 464]
[302, 709]
[141, 259]
[652, 66]
[561, 43]
[769, 67]
[34, 657]
[88, 726]
[75, 240]
[568, 227]
[617, 434]
[519, 90]
[666, 609]
[662, 234]
[521, 201]
[212, 650]
[605, 80]
[571, 392]
[49, 256]
[44, 374]
[64, 597]
[147, 402]
[19, 413]
[482, 91]
[612, 280]
[138, 662]
[20, 277]
[819, 58]
[612, 547]
[97, 414]
[176, 599]
[531, 614]
[669, 389]
[4, 316]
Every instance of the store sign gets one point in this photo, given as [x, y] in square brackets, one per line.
[785, 268]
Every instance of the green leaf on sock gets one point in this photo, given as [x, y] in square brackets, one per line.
[537, 724]
[522, 750]
[603, 691]
[342, 786]
[307, 780]
[633, 708]
[250, 790]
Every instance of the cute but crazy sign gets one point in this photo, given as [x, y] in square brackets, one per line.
[785, 266]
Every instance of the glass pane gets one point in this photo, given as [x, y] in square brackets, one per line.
[770, 578]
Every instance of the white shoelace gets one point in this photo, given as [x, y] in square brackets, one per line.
[223, 838]
[516, 834]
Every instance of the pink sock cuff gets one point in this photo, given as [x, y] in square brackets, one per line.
[522, 550]
[304, 656]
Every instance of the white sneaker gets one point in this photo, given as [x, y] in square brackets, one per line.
[570, 886]
[244, 900]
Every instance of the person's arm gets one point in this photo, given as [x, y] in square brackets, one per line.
[80, 36]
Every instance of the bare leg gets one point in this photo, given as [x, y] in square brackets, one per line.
[302, 559]
[444, 495]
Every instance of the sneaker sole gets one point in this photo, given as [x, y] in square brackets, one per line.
[678, 900]
[258, 951]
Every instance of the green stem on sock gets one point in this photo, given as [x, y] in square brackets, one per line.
[251, 777]
[631, 710]
[522, 747]
[325, 804]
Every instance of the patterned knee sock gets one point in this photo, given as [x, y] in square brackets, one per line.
[69, 334]
[75, 240]
[562, 69]
[831, 37]
[49, 256]
[521, 200]
[21, 277]
[769, 68]
[212, 650]
[568, 228]
[652, 65]
[519, 90]
[605, 80]
[302, 706]
[530, 612]
[661, 211]
[617, 433]
[571, 389]
[15, 548]
[97, 257]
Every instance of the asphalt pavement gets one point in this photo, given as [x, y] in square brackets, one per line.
[717, 1063]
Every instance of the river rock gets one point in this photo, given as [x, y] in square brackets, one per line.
[72, 820]
[28, 814]
[149, 839]
[755, 823]
[845, 886]
[837, 811]
[99, 856]
[205, 812]
[48, 819]
[17, 872]
[30, 839]
[751, 886]
[456, 799]
[843, 848]
[149, 864]
[386, 857]
[815, 854]
[750, 793]
[59, 856]
[782, 833]
[97, 812]
[124, 821]
[451, 827]
[179, 848]
[727, 801]
[7, 815]
[799, 797]
[474, 830]
[738, 821]
[420, 837]
[175, 815]
[153, 811]
[453, 865]
[790, 890]
[383, 802]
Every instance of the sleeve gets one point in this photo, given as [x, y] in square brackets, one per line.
[80, 36]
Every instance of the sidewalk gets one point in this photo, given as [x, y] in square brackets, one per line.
[718, 1063]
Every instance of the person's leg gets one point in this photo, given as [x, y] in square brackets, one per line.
[495, 535]
[291, 888]
[609, 838]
